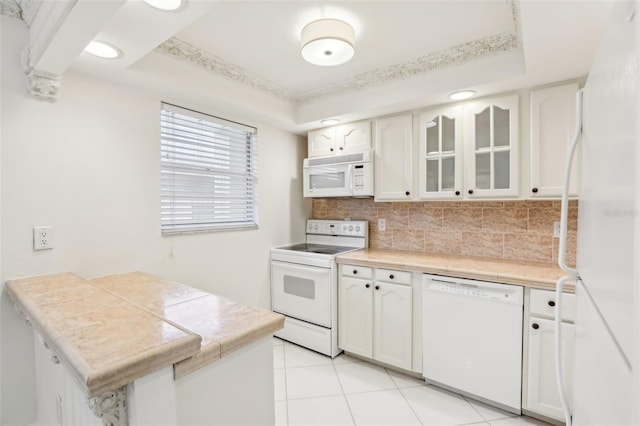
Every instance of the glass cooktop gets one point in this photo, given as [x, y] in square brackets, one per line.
[317, 248]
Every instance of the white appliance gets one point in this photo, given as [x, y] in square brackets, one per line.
[607, 353]
[304, 282]
[472, 339]
[349, 175]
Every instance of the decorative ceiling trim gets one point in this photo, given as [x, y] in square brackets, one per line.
[11, 9]
[435, 61]
[30, 9]
[186, 52]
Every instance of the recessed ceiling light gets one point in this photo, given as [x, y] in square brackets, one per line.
[103, 50]
[330, 121]
[328, 42]
[166, 5]
[462, 94]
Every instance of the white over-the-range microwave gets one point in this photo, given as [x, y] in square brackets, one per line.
[348, 175]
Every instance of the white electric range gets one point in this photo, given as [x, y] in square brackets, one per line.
[304, 282]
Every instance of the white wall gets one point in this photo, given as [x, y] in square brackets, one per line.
[89, 165]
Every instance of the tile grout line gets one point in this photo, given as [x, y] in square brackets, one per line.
[344, 395]
[408, 403]
[474, 409]
[286, 393]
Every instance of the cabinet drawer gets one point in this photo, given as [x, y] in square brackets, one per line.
[542, 303]
[356, 271]
[391, 276]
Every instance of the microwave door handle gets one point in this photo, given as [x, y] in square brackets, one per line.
[350, 178]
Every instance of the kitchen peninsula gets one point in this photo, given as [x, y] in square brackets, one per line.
[134, 349]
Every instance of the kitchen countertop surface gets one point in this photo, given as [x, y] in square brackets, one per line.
[223, 324]
[112, 330]
[529, 274]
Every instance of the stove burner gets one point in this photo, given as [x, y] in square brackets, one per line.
[318, 248]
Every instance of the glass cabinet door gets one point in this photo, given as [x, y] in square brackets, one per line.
[493, 133]
[440, 154]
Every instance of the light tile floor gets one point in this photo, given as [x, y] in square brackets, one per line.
[313, 389]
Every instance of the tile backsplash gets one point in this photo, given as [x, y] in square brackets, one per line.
[520, 230]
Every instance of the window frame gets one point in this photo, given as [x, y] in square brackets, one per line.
[208, 173]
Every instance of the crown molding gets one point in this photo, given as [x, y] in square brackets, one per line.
[11, 9]
[434, 61]
[437, 61]
[186, 52]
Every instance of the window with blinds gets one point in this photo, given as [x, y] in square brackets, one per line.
[208, 172]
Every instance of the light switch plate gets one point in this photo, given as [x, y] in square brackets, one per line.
[382, 225]
[556, 229]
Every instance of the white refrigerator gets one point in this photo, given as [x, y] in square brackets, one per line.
[607, 359]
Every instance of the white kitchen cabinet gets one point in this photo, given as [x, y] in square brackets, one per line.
[553, 121]
[441, 159]
[392, 324]
[376, 315]
[491, 144]
[541, 394]
[394, 158]
[356, 316]
[344, 139]
[321, 142]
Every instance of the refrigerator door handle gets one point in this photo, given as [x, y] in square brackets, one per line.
[558, 353]
[564, 209]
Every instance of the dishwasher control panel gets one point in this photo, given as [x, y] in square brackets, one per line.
[479, 289]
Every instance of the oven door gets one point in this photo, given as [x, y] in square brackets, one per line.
[328, 181]
[302, 292]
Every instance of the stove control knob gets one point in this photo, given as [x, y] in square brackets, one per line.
[351, 228]
[358, 228]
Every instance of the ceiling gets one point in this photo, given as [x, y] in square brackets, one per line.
[244, 56]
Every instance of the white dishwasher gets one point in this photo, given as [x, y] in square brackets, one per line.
[472, 339]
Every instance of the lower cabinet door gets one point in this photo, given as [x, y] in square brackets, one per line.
[355, 303]
[542, 390]
[392, 324]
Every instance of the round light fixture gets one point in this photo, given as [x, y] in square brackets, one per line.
[328, 42]
[103, 50]
[166, 5]
[330, 121]
[462, 94]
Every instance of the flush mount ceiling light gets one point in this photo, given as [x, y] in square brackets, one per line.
[330, 121]
[166, 5]
[328, 42]
[103, 50]
[462, 94]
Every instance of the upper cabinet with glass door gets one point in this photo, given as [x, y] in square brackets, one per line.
[344, 139]
[491, 144]
[441, 154]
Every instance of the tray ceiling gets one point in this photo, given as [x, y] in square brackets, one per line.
[409, 54]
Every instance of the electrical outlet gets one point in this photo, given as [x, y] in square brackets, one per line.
[382, 225]
[42, 237]
[556, 229]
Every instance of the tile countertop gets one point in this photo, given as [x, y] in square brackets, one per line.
[223, 324]
[528, 274]
[112, 330]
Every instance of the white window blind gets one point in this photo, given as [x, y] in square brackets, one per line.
[208, 172]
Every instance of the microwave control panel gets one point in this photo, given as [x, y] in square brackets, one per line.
[362, 179]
